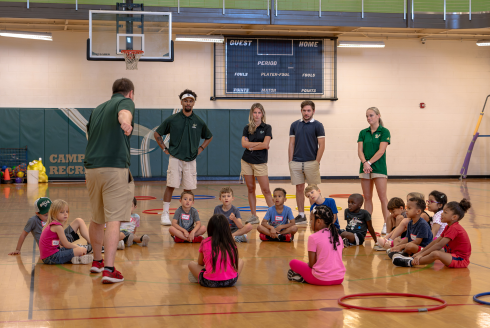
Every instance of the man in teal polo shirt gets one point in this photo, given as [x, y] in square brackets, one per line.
[109, 182]
[186, 131]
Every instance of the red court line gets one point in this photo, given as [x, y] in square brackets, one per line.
[160, 315]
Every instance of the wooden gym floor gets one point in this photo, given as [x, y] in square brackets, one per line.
[156, 291]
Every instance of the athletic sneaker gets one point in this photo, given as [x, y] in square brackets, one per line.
[84, 259]
[197, 239]
[402, 261]
[383, 231]
[88, 247]
[300, 220]
[293, 276]
[97, 267]
[264, 237]
[129, 242]
[347, 243]
[378, 248]
[102, 249]
[285, 237]
[121, 245]
[254, 219]
[178, 240]
[145, 239]
[241, 239]
[191, 277]
[165, 219]
[111, 277]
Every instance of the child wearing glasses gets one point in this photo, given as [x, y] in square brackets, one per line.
[435, 204]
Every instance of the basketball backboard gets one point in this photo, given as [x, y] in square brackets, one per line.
[111, 31]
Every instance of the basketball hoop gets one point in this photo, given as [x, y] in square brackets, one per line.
[132, 57]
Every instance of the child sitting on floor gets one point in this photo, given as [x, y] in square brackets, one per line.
[418, 231]
[238, 229]
[358, 222]
[127, 234]
[437, 201]
[325, 266]
[278, 223]
[453, 247]
[315, 195]
[218, 264]
[53, 237]
[396, 206]
[186, 225]
[36, 224]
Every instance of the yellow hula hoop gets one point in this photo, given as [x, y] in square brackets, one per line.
[287, 196]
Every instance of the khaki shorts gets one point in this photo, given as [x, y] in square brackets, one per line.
[258, 170]
[111, 192]
[305, 171]
[181, 172]
[371, 175]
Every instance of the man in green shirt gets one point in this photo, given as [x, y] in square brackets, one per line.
[109, 181]
[186, 131]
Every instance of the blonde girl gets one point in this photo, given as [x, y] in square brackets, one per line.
[53, 244]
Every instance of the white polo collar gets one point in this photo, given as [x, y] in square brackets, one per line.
[311, 121]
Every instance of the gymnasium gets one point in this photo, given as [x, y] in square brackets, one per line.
[316, 82]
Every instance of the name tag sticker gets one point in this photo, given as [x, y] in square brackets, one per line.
[56, 242]
[413, 236]
[186, 217]
[279, 218]
[43, 223]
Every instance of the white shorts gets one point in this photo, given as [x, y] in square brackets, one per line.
[181, 172]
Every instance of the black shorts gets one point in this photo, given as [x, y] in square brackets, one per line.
[216, 283]
[71, 235]
[126, 235]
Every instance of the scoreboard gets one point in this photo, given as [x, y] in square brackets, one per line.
[274, 66]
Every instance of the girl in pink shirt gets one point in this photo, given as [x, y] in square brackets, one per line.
[218, 264]
[325, 265]
[53, 245]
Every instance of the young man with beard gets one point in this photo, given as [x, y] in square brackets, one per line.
[186, 131]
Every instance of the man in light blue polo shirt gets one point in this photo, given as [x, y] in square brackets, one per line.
[306, 146]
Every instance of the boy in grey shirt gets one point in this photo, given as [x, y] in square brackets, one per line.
[238, 229]
[186, 225]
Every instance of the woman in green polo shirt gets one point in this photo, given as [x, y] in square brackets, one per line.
[372, 144]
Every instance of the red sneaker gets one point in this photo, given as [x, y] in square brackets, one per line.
[178, 240]
[111, 277]
[197, 239]
[97, 267]
[263, 237]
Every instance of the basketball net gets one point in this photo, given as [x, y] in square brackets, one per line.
[132, 57]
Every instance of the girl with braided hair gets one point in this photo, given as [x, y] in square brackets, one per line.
[325, 266]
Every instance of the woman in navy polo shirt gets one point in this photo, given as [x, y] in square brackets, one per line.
[372, 144]
[256, 138]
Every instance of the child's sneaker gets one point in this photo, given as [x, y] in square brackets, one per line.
[145, 239]
[84, 259]
[241, 239]
[197, 239]
[402, 261]
[178, 240]
[111, 277]
[347, 243]
[293, 276]
[121, 245]
[191, 277]
[285, 237]
[383, 231]
[263, 237]
[88, 247]
[97, 267]
[378, 248]
[129, 241]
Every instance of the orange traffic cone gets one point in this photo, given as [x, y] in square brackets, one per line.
[6, 176]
